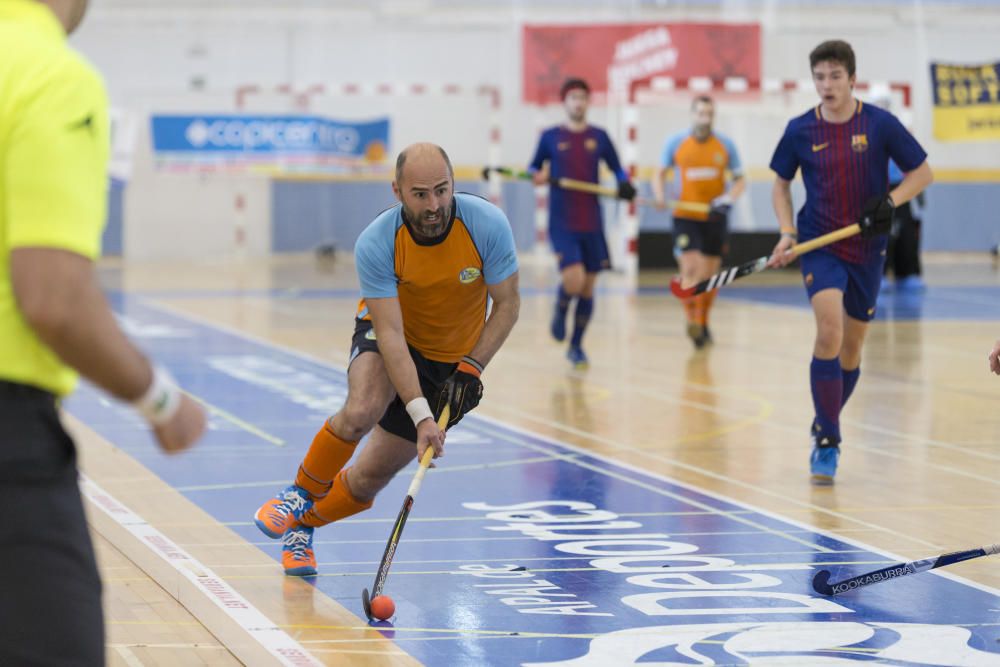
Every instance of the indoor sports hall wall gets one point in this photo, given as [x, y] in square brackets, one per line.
[191, 58]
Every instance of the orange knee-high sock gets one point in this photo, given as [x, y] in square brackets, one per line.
[689, 308]
[326, 457]
[701, 308]
[708, 298]
[339, 503]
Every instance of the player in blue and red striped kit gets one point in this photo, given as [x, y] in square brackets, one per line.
[843, 148]
[576, 226]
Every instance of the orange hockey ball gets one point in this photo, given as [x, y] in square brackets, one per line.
[383, 607]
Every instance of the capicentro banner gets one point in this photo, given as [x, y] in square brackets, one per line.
[264, 139]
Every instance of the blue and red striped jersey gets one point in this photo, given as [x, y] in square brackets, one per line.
[575, 155]
[843, 165]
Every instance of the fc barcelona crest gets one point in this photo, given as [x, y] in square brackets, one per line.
[590, 144]
[859, 143]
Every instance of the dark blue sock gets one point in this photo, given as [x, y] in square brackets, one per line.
[850, 380]
[827, 382]
[584, 307]
[562, 302]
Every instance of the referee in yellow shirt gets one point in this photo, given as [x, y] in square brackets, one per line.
[55, 323]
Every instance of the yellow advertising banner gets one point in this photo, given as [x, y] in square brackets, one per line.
[966, 102]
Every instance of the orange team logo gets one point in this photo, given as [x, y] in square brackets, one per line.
[590, 145]
[809, 279]
[859, 143]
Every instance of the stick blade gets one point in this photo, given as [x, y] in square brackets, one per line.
[678, 290]
[821, 583]
[367, 604]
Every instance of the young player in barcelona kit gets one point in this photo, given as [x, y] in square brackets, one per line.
[843, 148]
[427, 267]
[576, 226]
[701, 157]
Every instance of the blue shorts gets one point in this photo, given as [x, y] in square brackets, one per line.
[858, 282]
[587, 248]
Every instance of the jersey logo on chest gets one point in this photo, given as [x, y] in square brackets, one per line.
[469, 274]
[859, 143]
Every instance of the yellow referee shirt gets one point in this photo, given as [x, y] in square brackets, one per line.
[53, 170]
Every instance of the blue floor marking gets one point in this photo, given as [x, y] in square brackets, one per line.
[935, 303]
[580, 580]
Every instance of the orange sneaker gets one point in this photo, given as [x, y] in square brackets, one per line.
[282, 512]
[297, 556]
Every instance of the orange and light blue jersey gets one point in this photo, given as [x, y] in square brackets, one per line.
[843, 165]
[700, 167]
[441, 284]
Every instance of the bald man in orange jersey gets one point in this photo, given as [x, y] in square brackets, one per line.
[428, 267]
[700, 157]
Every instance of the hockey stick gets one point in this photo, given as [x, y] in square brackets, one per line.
[821, 582]
[397, 529]
[594, 189]
[727, 276]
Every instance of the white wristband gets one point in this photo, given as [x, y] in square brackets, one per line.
[162, 399]
[419, 409]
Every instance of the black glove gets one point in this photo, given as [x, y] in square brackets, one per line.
[720, 208]
[626, 191]
[876, 216]
[462, 390]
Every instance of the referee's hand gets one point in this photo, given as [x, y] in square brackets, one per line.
[183, 429]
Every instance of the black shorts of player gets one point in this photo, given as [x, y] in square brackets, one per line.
[709, 237]
[432, 375]
[50, 591]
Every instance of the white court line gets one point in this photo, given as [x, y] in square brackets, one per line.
[130, 658]
[626, 466]
[272, 643]
[522, 559]
[193, 647]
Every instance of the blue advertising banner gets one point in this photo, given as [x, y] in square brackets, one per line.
[265, 140]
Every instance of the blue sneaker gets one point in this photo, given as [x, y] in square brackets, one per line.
[912, 283]
[297, 555]
[282, 512]
[578, 358]
[823, 462]
[558, 326]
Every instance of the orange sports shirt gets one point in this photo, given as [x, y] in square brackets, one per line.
[441, 284]
[701, 167]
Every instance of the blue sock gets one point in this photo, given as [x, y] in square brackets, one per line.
[827, 382]
[850, 380]
[563, 300]
[584, 307]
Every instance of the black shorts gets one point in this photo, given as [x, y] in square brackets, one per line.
[432, 375]
[50, 605]
[709, 237]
